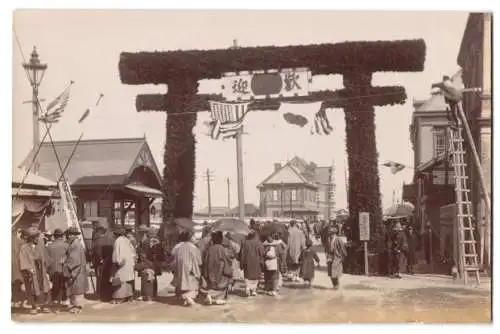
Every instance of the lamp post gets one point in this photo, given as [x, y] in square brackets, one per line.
[35, 70]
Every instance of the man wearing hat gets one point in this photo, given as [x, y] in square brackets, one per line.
[32, 263]
[398, 245]
[56, 256]
[75, 270]
[102, 250]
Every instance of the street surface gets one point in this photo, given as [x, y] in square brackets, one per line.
[419, 298]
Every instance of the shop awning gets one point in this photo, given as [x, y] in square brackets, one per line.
[140, 189]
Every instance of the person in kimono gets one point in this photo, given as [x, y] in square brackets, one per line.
[124, 257]
[32, 263]
[282, 258]
[296, 243]
[251, 262]
[412, 241]
[217, 270]
[186, 268]
[17, 297]
[307, 260]
[56, 256]
[149, 259]
[398, 247]
[335, 256]
[102, 250]
[233, 250]
[272, 254]
[75, 270]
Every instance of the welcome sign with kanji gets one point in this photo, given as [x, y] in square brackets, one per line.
[254, 85]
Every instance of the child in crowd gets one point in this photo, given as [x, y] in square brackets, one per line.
[271, 256]
[306, 261]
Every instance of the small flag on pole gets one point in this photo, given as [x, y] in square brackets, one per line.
[395, 167]
[84, 115]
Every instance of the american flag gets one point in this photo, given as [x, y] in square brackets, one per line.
[227, 118]
[395, 167]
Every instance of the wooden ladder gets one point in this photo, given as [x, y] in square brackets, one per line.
[468, 256]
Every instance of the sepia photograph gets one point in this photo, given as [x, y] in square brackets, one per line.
[251, 166]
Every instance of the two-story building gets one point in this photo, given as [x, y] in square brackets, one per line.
[299, 190]
[433, 182]
[474, 58]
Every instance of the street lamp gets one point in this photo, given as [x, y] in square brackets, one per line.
[35, 70]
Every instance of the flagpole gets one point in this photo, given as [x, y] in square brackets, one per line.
[239, 165]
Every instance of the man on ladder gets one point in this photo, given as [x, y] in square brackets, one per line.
[468, 257]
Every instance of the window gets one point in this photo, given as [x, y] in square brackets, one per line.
[439, 142]
[275, 195]
[118, 216]
[90, 209]
[276, 214]
[294, 195]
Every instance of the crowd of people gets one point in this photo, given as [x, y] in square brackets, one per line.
[50, 272]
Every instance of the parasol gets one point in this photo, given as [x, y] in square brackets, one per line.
[230, 225]
[400, 210]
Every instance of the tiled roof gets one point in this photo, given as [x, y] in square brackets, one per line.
[106, 161]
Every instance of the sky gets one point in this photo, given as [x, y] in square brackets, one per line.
[84, 46]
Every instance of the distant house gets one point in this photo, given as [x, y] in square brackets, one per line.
[215, 211]
[250, 211]
[298, 189]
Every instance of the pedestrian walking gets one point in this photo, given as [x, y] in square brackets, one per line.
[57, 252]
[186, 269]
[307, 260]
[335, 256]
[103, 261]
[412, 241]
[32, 262]
[272, 249]
[124, 257]
[296, 243]
[75, 270]
[17, 297]
[251, 262]
[217, 270]
[399, 246]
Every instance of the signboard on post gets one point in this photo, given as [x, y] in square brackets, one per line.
[364, 226]
[364, 234]
[255, 85]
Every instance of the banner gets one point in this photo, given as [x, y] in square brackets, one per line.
[254, 85]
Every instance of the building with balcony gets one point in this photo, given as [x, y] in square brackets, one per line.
[298, 190]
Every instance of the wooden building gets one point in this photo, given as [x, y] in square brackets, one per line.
[298, 190]
[116, 179]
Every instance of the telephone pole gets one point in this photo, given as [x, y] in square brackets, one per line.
[239, 165]
[35, 70]
[228, 193]
[208, 178]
